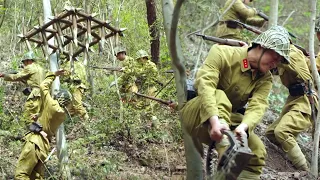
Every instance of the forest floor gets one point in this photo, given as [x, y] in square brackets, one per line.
[120, 159]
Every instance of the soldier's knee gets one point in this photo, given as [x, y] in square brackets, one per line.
[280, 134]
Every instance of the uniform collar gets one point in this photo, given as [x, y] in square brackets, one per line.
[245, 65]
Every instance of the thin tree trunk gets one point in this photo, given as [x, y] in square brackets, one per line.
[86, 6]
[153, 29]
[4, 13]
[314, 162]
[60, 135]
[273, 17]
[194, 160]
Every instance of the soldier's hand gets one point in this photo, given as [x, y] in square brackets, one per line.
[243, 44]
[241, 130]
[134, 89]
[60, 72]
[34, 117]
[1, 75]
[173, 105]
[216, 129]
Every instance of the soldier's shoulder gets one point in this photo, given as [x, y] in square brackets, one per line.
[151, 63]
[129, 58]
[225, 49]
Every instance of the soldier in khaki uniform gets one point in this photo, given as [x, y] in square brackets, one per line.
[230, 78]
[126, 63]
[296, 115]
[121, 55]
[146, 74]
[238, 11]
[77, 86]
[36, 148]
[32, 74]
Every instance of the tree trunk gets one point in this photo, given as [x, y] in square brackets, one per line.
[60, 135]
[193, 158]
[314, 162]
[273, 17]
[153, 29]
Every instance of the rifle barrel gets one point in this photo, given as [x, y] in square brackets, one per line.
[230, 42]
[153, 98]
[107, 68]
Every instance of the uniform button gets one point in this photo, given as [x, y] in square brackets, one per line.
[236, 88]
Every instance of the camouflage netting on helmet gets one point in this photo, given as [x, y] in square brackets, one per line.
[141, 54]
[276, 38]
[28, 56]
[317, 27]
[63, 96]
[119, 49]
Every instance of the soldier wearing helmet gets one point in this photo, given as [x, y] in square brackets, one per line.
[146, 73]
[76, 83]
[120, 52]
[36, 147]
[32, 74]
[296, 115]
[238, 11]
[126, 63]
[230, 78]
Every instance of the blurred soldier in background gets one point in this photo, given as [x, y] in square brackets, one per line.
[32, 74]
[238, 11]
[126, 78]
[76, 82]
[146, 73]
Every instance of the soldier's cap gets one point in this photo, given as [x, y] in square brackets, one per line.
[119, 49]
[28, 56]
[63, 97]
[142, 54]
[277, 39]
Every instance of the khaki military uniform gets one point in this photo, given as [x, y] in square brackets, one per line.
[225, 84]
[77, 85]
[146, 75]
[296, 113]
[36, 147]
[127, 79]
[238, 11]
[32, 75]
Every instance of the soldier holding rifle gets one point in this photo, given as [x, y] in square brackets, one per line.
[238, 11]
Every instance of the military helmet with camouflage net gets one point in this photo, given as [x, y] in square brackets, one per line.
[276, 38]
[141, 54]
[119, 49]
[317, 27]
[63, 97]
[28, 56]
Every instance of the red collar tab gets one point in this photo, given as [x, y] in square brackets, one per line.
[245, 63]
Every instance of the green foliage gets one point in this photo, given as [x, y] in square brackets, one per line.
[278, 96]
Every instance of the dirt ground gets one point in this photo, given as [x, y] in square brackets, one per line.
[154, 160]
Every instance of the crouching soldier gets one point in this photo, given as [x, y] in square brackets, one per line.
[296, 115]
[36, 148]
[230, 78]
